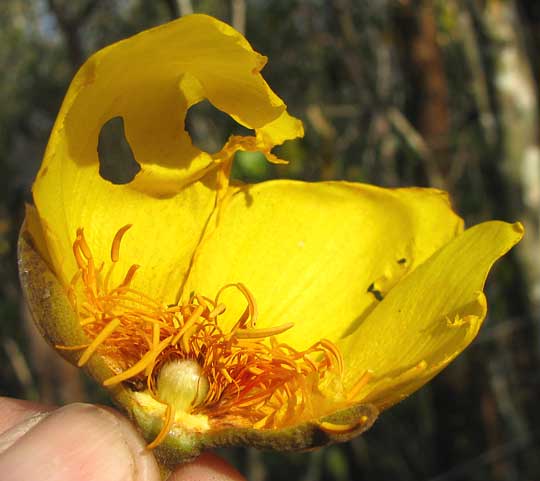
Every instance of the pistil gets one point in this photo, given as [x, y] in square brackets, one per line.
[244, 376]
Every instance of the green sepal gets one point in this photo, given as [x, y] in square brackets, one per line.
[181, 446]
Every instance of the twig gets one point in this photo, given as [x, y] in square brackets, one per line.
[185, 7]
[239, 15]
[19, 364]
[410, 135]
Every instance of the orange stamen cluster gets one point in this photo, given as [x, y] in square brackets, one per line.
[255, 380]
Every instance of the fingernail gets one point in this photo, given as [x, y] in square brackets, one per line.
[12, 435]
[82, 442]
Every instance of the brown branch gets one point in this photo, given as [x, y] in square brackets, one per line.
[174, 8]
[239, 15]
[185, 7]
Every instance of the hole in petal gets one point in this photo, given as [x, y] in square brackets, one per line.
[209, 128]
[116, 161]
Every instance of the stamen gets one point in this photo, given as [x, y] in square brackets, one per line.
[99, 339]
[333, 428]
[140, 366]
[243, 373]
[252, 305]
[115, 248]
[78, 254]
[129, 276]
[156, 333]
[362, 381]
[262, 333]
[88, 320]
[71, 348]
[188, 325]
[108, 277]
[251, 312]
[83, 246]
[413, 371]
[219, 309]
[335, 353]
[165, 428]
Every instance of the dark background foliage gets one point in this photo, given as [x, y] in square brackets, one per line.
[394, 92]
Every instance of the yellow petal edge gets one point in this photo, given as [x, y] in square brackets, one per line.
[428, 318]
[150, 81]
[317, 248]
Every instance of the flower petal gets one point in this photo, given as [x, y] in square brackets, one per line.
[164, 235]
[312, 254]
[429, 318]
[150, 81]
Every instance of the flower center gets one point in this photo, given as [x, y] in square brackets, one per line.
[183, 357]
[182, 384]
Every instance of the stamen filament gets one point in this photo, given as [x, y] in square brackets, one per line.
[333, 428]
[99, 339]
[83, 245]
[140, 366]
[71, 348]
[262, 333]
[250, 375]
[115, 248]
[361, 383]
[165, 428]
[189, 323]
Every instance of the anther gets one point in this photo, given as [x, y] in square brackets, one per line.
[83, 246]
[332, 428]
[115, 248]
[262, 333]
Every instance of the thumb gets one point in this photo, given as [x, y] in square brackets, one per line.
[207, 467]
[79, 441]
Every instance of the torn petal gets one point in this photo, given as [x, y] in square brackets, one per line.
[149, 81]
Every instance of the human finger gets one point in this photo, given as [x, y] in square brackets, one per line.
[207, 467]
[79, 441]
[15, 411]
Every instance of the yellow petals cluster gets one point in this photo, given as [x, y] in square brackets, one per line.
[283, 314]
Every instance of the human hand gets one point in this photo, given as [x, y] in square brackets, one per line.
[83, 442]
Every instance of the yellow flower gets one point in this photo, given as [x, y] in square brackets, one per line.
[283, 314]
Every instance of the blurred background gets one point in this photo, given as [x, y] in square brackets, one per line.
[436, 93]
